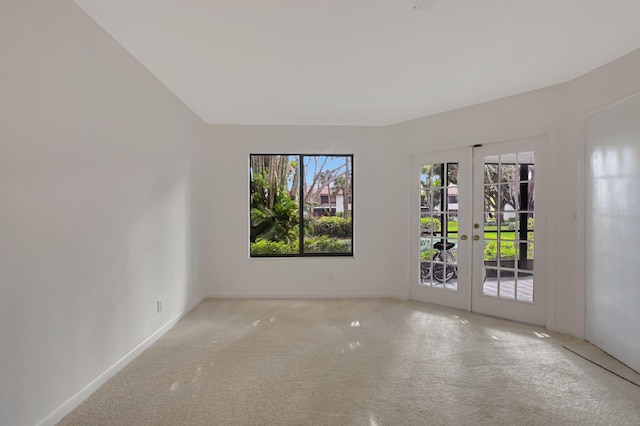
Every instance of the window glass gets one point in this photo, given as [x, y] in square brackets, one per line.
[301, 205]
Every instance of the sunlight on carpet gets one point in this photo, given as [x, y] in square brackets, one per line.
[356, 362]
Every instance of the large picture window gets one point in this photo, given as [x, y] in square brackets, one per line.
[300, 205]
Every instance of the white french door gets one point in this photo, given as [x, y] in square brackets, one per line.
[478, 232]
[441, 195]
[508, 204]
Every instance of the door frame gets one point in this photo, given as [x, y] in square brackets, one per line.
[530, 312]
[460, 299]
[542, 141]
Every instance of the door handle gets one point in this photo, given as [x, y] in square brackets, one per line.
[463, 237]
[476, 237]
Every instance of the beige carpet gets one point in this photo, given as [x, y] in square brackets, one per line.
[599, 357]
[357, 362]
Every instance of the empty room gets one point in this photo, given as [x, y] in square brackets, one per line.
[319, 212]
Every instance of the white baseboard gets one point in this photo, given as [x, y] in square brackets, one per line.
[59, 413]
[363, 295]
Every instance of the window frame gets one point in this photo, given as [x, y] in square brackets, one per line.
[301, 199]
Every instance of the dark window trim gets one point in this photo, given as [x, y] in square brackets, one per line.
[301, 207]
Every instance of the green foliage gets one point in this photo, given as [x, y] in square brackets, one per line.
[324, 244]
[507, 250]
[264, 247]
[426, 251]
[273, 211]
[259, 190]
[332, 226]
[277, 224]
[429, 225]
[428, 254]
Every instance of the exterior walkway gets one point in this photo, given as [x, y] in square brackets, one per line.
[508, 287]
[522, 291]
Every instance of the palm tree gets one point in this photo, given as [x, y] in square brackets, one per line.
[342, 184]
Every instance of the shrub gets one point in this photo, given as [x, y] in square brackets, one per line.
[429, 225]
[331, 226]
[426, 251]
[507, 251]
[264, 247]
[321, 244]
[279, 223]
[324, 244]
[530, 223]
[428, 254]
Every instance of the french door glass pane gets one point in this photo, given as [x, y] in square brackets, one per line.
[508, 225]
[439, 225]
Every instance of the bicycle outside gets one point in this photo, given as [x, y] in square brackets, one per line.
[442, 265]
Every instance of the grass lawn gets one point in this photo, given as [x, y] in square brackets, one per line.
[507, 250]
[489, 232]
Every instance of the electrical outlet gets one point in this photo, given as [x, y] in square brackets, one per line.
[159, 305]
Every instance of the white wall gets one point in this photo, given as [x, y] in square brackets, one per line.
[537, 113]
[380, 266]
[382, 158]
[109, 201]
[560, 111]
[612, 218]
[376, 269]
[97, 200]
[593, 91]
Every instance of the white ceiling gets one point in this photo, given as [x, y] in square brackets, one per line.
[362, 62]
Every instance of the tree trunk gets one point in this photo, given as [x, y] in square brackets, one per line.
[345, 190]
[295, 191]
